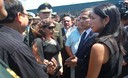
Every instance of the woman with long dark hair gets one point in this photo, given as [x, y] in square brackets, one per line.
[106, 53]
[45, 48]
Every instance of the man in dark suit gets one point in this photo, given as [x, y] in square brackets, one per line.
[81, 59]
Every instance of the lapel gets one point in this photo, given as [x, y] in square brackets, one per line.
[83, 50]
[87, 41]
[63, 32]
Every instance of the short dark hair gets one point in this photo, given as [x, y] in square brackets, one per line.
[85, 10]
[69, 15]
[66, 14]
[12, 7]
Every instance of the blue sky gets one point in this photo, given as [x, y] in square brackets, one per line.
[33, 4]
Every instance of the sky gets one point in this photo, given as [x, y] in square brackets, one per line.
[33, 4]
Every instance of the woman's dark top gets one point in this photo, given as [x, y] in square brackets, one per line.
[47, 49]
[51, 49]
[113, 67]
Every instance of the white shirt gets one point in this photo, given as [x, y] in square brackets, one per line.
[73, 40]
[68, 32]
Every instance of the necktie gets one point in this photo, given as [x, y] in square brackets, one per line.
[82, 39]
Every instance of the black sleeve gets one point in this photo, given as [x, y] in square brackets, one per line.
[80, 62]
[26, 65]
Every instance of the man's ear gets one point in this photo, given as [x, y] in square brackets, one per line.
[18, 17]
[106, 20]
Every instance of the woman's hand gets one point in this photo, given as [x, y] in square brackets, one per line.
[52, 66]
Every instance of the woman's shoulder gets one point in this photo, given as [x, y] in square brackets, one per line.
[99, 47]
[101, 51]
[110, 43]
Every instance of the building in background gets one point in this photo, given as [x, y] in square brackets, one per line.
[72, 8]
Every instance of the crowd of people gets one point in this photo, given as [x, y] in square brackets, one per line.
[93, 44]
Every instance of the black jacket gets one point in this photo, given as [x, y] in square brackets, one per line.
[83, 54]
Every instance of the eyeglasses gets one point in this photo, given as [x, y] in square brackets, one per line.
[49, 27]
[26, 14]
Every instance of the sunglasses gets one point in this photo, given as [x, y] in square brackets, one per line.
[49, 27]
